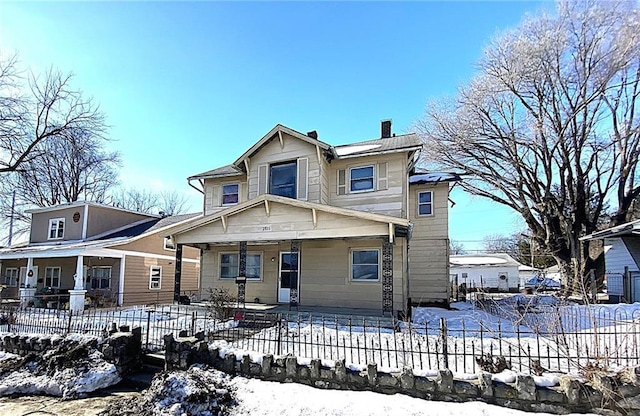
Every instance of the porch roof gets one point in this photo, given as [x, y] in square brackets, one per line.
[627, 229]
[273, 218]
[80, 248]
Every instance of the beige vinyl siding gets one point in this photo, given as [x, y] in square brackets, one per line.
[292, 150]
[155, 244]
[325, 170]
[101, 219]
[72, 230]
[324, 274]
[389, 201]
[429, 246]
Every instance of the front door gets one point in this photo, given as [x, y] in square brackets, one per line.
[284, 276]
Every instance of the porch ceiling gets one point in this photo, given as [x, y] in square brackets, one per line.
[274, 218]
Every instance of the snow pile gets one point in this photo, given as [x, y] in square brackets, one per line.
[197, 391]
[71, 370]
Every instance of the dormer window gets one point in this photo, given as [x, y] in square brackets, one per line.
[56, 228]
[361, 179]
[230, 194]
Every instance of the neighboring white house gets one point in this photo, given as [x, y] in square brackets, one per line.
[495, 272]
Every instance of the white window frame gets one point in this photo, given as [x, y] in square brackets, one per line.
[11, 281]
[351, 264]
[424, 203]
[235, 253]
[48, 276]
[223, 194]
[167, 244]
[152, 286]
[93, 276]
[54, 228]
[373, 179]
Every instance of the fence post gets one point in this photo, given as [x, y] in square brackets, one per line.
[279, 332]
[69, 322]
[445, 347]
[146, 343]
[193, 323]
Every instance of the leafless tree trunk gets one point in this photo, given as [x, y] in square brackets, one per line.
[549, 126]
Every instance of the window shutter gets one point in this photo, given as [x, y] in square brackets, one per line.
[383, 182]
[342, 182]
[262, 179]
[302, 180]
[242, 192]
[216, 197]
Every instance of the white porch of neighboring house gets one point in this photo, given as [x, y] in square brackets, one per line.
[38, 267]
[278, 250]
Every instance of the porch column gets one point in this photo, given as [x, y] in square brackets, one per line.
[178, 275]
[76, 295]
[241, 280]
[387, 277]
[28, 287]
[293, 291]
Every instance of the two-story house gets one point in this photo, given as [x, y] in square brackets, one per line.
[124, 256]
[296, 220]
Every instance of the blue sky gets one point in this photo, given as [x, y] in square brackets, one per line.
[189, 86]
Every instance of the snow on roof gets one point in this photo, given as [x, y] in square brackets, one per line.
[434, 177]
[496, 259]
[348, 150]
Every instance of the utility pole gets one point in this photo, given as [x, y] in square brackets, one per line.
[13, 207]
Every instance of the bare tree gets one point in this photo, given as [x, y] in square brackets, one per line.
[456, 247]
[172, 203]
[518, 246]
[549, 127]
[136, 200]
[35, 108]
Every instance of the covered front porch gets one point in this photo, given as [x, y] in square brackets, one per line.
[43, 276]
[281, 251]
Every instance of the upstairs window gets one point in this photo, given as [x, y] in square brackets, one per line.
[361, 179]
[230, 194]
[155, 277]
[425, 203]
[56, 228]
[282, 179]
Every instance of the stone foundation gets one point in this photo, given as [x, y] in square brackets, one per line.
[619, 395]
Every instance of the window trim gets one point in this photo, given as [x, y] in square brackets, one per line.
[424, 203]
[164, 244]
[249, 279]
[93, 268]
[355, 249]
[373, 179]
[59, 276]
[151, 277]
[16, 276]
[222, 194]
[57, 222]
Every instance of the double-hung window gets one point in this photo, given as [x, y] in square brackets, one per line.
[230, 194]
[425, 203]
[229, 265]
[101, 277]
[11, 276]
[155, 277]
[52, 277]
[282, 179]
[361, 179]
[56, 228]
[365, 265]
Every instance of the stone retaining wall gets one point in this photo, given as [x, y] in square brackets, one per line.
[604, 394]
[123, 347]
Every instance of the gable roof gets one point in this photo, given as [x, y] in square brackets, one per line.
[89, 203]
[404, 142]
[629, 228]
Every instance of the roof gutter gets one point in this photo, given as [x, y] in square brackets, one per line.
[197, 189]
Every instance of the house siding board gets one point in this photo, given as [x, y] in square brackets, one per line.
[429, 270]
[618, 256]
[633, 246]
[213, 192]
[489, 274]
[389, 201]
[40, 224]
[430, 226]
[292, 150]
[102, 219]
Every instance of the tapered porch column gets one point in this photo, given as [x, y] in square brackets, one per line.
[28, 287]
[76, 295]
[387, 277]
[178, 275]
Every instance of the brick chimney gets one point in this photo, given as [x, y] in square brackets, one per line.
[385, 129]
[313, 134]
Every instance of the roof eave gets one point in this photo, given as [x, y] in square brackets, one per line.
[383, 152]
